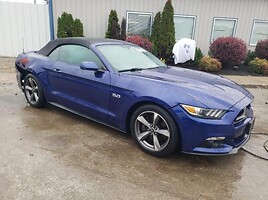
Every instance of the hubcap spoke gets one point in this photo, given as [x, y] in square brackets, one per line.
[31, 82]
[156, 118]
[163, 132]
[32, 97]
[144, 135]
[36, 96]
[27, 87]
[143, 121]
[156, 143]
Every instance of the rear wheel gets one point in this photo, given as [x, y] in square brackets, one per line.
[154, 130]
[33, 91]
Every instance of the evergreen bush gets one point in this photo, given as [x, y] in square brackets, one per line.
[156, 33]
[65, 25]
[167, 33]
[250, 56]
[198, 56]
[123, 34]
[78, 28]
[68, 27]
[113, 26]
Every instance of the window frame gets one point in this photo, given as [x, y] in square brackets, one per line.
[226, 19]
[142, 13]
[252, 29]
[187, 16]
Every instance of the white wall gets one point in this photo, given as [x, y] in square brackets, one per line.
[94, 14]
[23, 22]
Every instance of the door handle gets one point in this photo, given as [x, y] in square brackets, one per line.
[56, 70]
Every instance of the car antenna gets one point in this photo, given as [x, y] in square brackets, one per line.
[23, 45]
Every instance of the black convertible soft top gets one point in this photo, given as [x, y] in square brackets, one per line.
[83, 41]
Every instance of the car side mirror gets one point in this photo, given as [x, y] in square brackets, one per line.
[91, 66]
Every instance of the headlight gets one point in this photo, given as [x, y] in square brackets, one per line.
[204, 112]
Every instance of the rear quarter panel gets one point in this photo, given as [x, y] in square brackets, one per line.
[37, 65]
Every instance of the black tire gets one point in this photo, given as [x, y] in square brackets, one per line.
[154, 130]
[33, 91]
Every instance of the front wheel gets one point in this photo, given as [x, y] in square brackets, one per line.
[154, 130]
[33, 91]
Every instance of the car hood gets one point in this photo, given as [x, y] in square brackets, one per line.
[191, 86]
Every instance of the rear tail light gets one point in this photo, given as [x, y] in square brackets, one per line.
[24, 61]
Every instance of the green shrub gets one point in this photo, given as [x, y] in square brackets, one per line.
[209, 64]
[156, 33]
[113, 26]
[198, 56]
[250, 56]
[65, 25]
[229, 50]
[77, 28]
[68, 27]
[123, 34]
[262, 49]
[259, 66]
[167, 33]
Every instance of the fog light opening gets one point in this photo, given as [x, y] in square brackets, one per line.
[215, 138]
[213, 142]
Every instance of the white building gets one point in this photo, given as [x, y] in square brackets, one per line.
[201, 20]
[29, 26]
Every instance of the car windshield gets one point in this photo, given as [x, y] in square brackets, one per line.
[129, 57]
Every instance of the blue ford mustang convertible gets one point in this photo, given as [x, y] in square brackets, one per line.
[119, 84]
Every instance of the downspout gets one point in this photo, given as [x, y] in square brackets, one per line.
[51, 20]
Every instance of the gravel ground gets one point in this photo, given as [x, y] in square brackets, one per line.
[7, 63]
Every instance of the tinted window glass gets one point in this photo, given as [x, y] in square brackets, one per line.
[75, 54]
[55, 54]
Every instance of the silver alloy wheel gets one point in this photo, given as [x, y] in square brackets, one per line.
[31, 91]
[152, 131]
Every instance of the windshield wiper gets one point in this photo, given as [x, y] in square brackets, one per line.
[134, 69]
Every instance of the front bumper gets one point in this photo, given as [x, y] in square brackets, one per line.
[227, 146]
[200, 136]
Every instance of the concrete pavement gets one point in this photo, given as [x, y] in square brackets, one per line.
[250, 81]
[52, 154]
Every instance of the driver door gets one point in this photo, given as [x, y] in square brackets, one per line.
[82, 91]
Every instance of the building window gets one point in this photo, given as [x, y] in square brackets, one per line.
[259, 32]
[223, 27]
[184, 26]
[139, 23]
